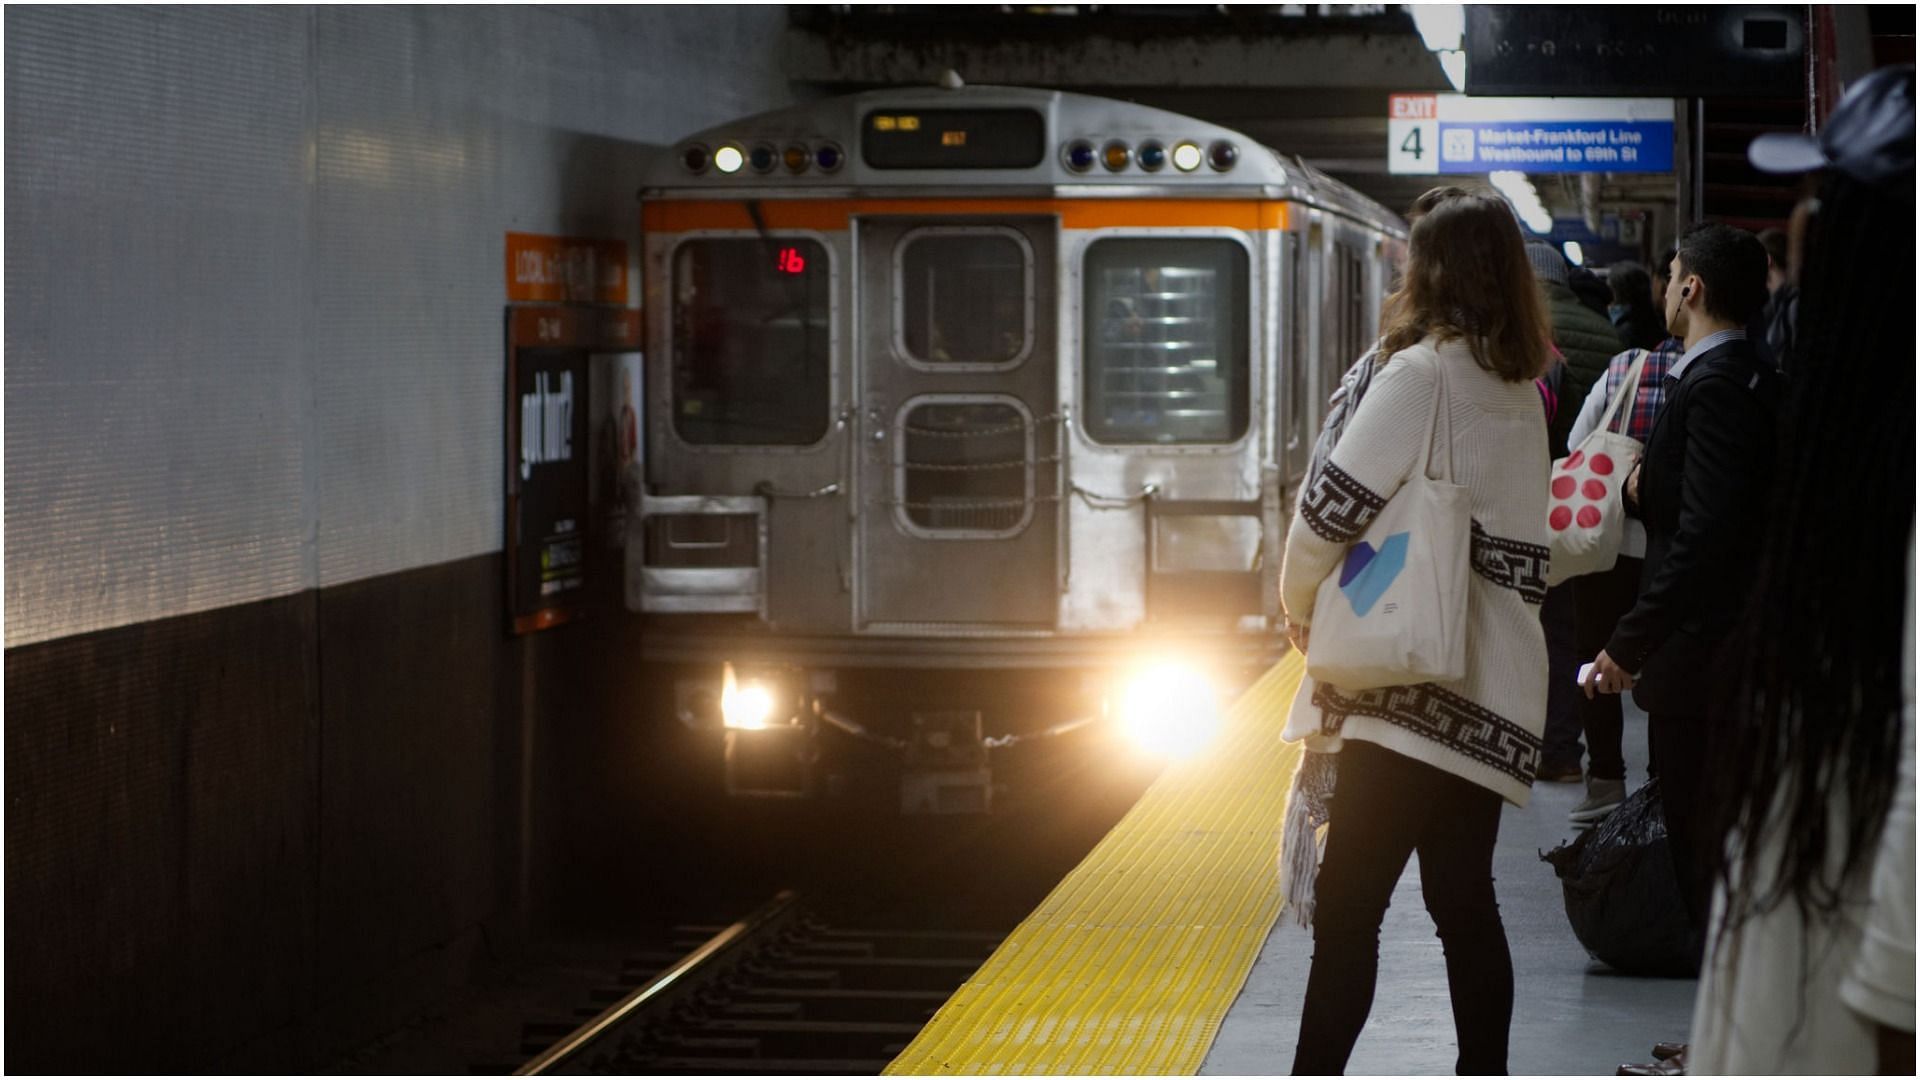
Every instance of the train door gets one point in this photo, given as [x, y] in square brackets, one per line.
[958, 470]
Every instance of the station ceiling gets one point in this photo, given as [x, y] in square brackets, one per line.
[1311, 80]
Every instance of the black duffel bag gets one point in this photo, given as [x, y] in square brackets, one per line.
[1622, 895]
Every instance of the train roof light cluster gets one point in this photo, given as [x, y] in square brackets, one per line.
[731, 157]
[1152, 155]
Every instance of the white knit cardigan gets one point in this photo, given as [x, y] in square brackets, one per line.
[1485, 728]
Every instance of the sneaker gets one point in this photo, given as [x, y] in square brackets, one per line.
[1603, 798]
[1555, 772]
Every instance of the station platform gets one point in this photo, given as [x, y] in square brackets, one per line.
[1164, 951]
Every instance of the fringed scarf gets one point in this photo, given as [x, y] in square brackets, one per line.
[1302, 830]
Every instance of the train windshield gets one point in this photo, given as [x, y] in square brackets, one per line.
[1166, 340]
[750, 341]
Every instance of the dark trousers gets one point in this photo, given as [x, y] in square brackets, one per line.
[1599, 601]
[1385, 807]
[1678, 745]
[1561, 739]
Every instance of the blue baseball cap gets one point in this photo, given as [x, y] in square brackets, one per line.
[1869, 137]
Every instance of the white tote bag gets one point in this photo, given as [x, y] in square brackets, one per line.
[1585, 516]
[1394, 612]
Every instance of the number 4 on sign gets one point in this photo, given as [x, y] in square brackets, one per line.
[1413, 132]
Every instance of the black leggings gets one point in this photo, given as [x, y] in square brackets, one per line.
[1599, 601]
[1385, 807]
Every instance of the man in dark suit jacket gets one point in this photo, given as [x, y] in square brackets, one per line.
[1702, 488]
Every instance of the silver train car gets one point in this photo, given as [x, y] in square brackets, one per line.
[979, 381]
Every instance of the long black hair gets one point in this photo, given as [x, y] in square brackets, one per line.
[1813, 712]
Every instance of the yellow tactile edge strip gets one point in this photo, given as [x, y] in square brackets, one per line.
[1131, 963]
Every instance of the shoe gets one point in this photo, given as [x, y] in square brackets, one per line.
[1664, 1050]
[1554, 772]
[1673, 1066]
[1603, 798]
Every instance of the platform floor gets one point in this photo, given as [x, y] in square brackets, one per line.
[1572, 1015]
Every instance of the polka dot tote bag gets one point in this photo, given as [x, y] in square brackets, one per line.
[1585, 516]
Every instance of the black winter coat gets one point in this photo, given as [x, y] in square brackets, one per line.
[1704, 482]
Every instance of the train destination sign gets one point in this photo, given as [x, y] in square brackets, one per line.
[1453, 133]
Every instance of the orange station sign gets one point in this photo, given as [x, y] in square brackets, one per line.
[566, 269]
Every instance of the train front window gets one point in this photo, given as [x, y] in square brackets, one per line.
[965, 466]
[963, 298]
[750, 341]
[1166, 352]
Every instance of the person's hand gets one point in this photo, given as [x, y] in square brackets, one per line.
[1297, 634]
[1632, 485]
[1607, 677]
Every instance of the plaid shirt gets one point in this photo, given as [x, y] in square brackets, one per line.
[1653, 386]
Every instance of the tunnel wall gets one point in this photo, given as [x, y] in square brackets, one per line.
[273, 764]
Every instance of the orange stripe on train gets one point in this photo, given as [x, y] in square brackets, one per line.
[832, 215]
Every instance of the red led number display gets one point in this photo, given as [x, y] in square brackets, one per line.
[791, 261]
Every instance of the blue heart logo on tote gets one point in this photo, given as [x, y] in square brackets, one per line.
[1367, 573]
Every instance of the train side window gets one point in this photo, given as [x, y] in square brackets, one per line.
[1297, 355]
[963, 298]
[750, 341]
[1166, 350]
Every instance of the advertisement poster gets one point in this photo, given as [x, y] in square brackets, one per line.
[553, 468]
[573, 409]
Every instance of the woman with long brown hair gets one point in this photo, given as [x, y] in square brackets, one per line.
[1426, 767]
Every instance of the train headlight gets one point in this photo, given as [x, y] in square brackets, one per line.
[747, 705]
[1079, 155]
[729, 158]
[1115, 156]
[1186, 156]
[1152, 156]
[1222, 155]
[1170, 710]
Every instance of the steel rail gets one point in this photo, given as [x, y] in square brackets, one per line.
[562, 1052]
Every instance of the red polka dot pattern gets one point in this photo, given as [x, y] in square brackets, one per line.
[1574, 459]
[1588, 517]
[1602, 465]
[1560, 518]
[1594, 489]
[1563, 487]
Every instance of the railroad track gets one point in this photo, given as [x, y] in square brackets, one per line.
[778, 992]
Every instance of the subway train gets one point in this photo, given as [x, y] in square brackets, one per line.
[955, 393]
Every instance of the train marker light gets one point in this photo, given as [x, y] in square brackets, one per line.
[1186, 157]
[1170, 710]
[828, 157]
[797, 159]
[1079, 155]
[763, 158]
[1115, 156]
[729, 158]
[1222, 155]
[695, 158]
[1152, 156]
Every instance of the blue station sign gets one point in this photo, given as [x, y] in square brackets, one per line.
[1535, 135]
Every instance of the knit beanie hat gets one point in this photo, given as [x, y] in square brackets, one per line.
[1548, 265]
